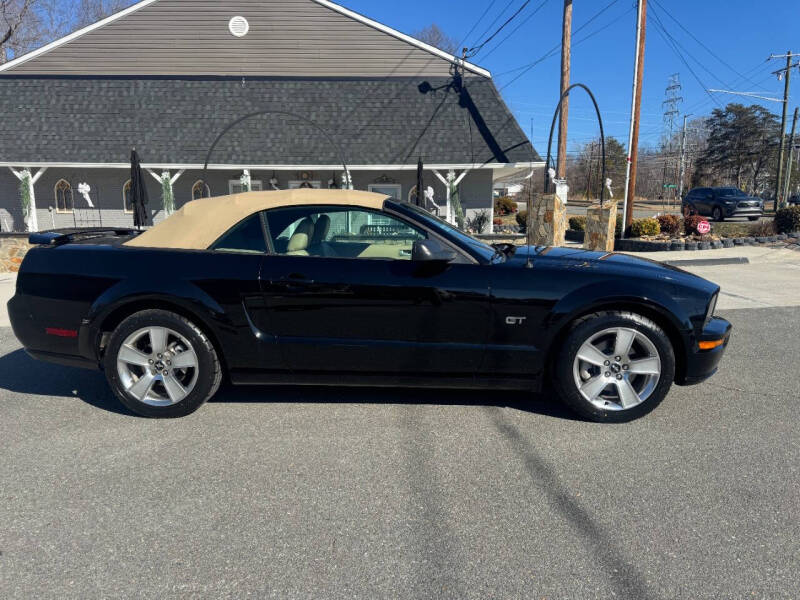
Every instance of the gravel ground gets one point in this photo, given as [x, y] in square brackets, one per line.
[331, 493]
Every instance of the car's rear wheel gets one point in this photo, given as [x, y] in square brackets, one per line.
[717, 214]
[753, 218]
[614, 366]
[160, 364]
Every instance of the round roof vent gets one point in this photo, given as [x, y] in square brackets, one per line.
[238, 26]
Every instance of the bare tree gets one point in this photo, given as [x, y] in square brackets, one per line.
[13, 16]
[28, 24]
[434, 36]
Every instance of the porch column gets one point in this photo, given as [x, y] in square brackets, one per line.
[31, 220]
[166, 180]
[451, 184]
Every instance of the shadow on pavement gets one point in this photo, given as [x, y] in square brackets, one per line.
[624, 574]
[22, 374]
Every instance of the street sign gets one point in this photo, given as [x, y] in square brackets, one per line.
[703, 227]
[670, 186]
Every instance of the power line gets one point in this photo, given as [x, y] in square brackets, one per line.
[694, 37]
[526, 68]
[671, 42]
[513, 31]
[469, 33]
[496, 19]
[473, 51]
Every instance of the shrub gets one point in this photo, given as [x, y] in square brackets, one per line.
[504, 206]
[642, 227]
[762, 229]
[577, 223]
[522, 220]
[690, 224]
[669, 224]
[478, 221]
[618, 226]
[787, 220]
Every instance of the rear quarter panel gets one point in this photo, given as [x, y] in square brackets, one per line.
[78, 287]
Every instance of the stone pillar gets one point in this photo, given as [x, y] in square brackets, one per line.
[601, 222]
[548, 219]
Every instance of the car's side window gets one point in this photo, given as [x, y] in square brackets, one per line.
[341, 232]
[247, 237]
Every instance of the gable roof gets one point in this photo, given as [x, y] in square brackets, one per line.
[379, 121]
[191, 37]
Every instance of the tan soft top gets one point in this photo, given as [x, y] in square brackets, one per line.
[201, 222]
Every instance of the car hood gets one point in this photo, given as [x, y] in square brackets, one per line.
[611, 263]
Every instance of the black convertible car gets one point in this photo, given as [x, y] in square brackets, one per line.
[352, 288]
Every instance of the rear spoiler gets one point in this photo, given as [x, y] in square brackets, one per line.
[58, 237]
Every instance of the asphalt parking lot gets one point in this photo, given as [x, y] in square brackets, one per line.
[331, 493]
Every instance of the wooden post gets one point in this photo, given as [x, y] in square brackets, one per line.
[566, 41]
[633, 140]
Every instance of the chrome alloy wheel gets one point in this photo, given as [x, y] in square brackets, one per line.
[617, 368]
[157, 366]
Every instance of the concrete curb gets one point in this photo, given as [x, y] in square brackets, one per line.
[708, 262]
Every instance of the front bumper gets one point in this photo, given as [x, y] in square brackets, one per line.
[702, 364]
[744, 211]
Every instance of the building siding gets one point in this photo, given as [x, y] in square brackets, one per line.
[107, 184]
[298, 38]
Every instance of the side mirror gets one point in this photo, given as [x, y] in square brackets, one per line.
[431, 251]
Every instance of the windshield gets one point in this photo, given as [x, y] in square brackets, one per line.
[483, 250]
[731, 192]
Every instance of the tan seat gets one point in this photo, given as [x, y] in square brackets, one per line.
[298, 243]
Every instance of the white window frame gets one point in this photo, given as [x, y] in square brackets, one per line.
[396, 186]
[256, 185]
[295, 185]
[125, 210]
[195, 184]
[55, 197]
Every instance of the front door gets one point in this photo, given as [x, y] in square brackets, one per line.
[343, 296]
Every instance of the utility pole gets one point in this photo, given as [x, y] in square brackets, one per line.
[682, 170]
[781, 73]
[633, 137]
[566, 42]
[789, 160]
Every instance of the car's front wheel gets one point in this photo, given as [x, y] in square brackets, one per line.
[160, 364]
[718, 214]
[614, 366]
[753, 218]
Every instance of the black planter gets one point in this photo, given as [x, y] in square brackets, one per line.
[749, 241]
[772, 238]
[677, 245]
[738, 241]
[762, 239]
[727, 243]
[781, 236]
[691, 245]
[717, 244]
[704, 246]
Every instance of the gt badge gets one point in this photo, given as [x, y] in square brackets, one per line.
[515, 320]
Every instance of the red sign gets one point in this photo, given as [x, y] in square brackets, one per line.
[703, 227]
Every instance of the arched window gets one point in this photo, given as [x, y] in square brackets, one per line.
[127, 201]
[200, 190]
[63, 194]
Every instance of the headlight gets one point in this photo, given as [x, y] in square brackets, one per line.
[710, 311]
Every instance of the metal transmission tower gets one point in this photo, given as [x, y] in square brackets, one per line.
[671, 104]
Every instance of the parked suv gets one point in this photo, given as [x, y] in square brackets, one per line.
[794, 200]
[723, 202]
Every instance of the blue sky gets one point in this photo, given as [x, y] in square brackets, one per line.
[742, 33]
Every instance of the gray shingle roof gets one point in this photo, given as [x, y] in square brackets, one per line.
[174, 121]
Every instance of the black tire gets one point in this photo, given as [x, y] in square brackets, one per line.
[582, 330]
[752, 218]
[717, 214]
[209, 370]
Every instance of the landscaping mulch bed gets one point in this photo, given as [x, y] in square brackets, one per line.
[791, 241]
